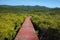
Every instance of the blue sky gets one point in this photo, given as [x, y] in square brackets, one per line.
[47, 3]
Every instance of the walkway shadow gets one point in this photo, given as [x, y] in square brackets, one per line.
[51, 34]
[37, 29]
[47, 34]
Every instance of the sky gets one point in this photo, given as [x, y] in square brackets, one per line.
[47, 3]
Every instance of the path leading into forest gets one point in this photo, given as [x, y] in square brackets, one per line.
[27, 31]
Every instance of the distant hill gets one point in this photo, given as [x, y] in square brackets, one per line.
[22, 8]
[25, 8]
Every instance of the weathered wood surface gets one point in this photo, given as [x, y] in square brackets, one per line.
[27, 31]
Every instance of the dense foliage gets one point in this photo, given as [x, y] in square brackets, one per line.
[46, 21]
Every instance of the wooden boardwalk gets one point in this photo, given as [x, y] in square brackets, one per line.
[27, 31]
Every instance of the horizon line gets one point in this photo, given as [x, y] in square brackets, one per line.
[29, 5]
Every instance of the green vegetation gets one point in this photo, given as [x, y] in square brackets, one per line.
[46, 21]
